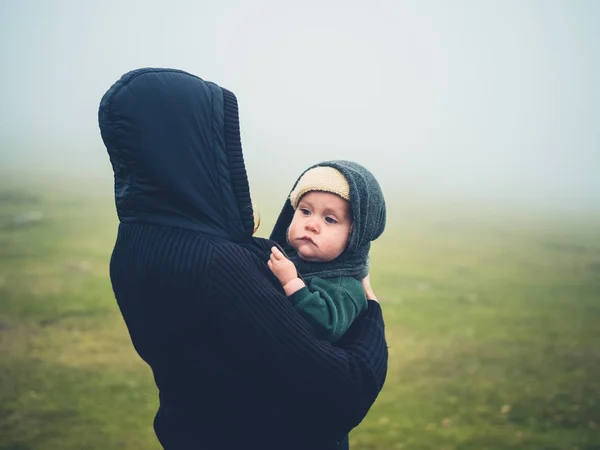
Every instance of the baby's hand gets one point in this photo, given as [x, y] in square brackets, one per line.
[285, 271]
[283, 268]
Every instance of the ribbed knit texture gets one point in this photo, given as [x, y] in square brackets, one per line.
[236, 365]
[235, 159]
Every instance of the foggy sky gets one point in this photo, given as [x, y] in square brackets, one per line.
[483, 99]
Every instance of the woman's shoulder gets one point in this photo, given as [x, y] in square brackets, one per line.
[235, 265]
[240, 256]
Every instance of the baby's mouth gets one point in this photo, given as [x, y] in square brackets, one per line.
[307, 239]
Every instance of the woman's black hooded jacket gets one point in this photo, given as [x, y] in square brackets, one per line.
[236, 366]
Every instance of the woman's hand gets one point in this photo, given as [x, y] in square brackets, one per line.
[366, 283]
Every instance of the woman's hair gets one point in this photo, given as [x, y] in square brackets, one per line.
[256, 220]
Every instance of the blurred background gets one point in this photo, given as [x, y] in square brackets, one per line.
[479, 118]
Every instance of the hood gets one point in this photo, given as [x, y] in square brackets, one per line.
[368, 223]
[174, 144]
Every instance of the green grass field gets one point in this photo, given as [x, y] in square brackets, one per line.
[493, 323]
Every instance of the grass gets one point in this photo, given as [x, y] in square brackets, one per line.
[492, 321]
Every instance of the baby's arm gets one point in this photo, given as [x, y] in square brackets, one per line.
[331, 305]
[285, 271]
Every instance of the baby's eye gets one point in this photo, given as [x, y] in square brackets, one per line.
[330, 220]
[304, 211]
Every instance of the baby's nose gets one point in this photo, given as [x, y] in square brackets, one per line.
[311, 225]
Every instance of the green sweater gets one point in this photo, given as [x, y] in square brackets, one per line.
[330, 305]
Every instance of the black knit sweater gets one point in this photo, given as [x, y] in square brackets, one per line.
[235, 365]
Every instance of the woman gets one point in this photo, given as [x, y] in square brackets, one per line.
[235, 364]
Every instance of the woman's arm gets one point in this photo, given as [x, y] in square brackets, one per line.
[335, 385]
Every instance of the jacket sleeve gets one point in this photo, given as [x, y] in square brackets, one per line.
[330, 306]
[335, 385]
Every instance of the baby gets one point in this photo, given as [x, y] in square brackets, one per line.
[334, 211]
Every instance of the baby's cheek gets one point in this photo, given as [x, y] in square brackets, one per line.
[336, 250]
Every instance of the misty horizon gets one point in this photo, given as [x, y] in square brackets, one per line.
[493, 102]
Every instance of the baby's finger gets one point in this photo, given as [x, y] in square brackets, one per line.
[277, 253]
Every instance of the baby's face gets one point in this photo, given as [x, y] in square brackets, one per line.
[321, 226]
